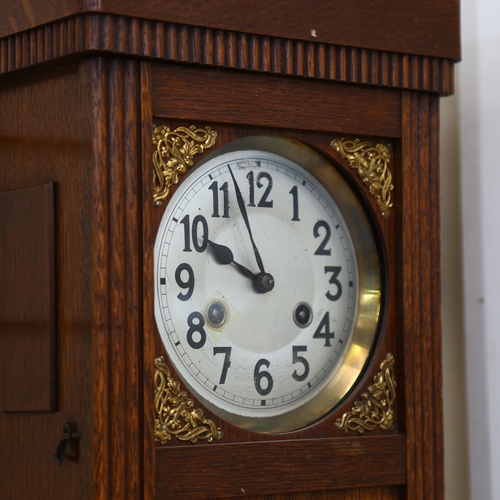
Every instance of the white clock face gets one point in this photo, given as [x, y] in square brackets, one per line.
[257, 289]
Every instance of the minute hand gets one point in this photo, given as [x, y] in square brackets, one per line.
[243, 210]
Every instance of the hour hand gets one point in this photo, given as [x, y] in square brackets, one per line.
[224, 256]
[262, 282]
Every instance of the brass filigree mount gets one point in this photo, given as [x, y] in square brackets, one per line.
[371, 164]
[375, 407]
[174, 154]
[176, 414]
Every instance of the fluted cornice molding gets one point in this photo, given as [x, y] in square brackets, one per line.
[106, 34]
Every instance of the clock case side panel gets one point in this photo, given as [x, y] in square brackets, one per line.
[183, 97]
[78, 128]
[46, 138]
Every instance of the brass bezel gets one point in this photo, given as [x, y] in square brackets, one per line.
[364, 333]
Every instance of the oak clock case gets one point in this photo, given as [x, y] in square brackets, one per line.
[267, 284]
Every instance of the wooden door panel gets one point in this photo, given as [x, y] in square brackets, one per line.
[28, 300]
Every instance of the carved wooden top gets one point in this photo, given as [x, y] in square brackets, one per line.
[376, 42]
[424, 27]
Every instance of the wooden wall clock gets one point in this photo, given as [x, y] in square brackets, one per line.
[220, 249]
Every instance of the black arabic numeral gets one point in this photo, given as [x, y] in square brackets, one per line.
[185, 284]
[300, 359]
[187, 234]
[192, 236]
[214, 187]
[323, 330]
[264, 202]
[258, 375]
[328, 232]
[251, 189]
[335, 270]
[295, 194]
[204, 238]
[227, 361]
[196, 328]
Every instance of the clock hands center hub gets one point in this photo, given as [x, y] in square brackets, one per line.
[264, 283]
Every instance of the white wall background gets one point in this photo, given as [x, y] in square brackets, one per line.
[470, 193]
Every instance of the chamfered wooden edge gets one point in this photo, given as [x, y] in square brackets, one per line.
[96, 33]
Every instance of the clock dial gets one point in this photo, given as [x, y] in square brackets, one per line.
[267, 287]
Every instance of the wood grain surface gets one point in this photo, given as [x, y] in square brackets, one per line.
[420, 299]
[102, 33]
[233, 470]
[79, 129]
[303, 463]
[84, 124]
[117, 261]
[373, 493]
[266, 101]
[48, 138]
[28, 317]
[427, 27]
